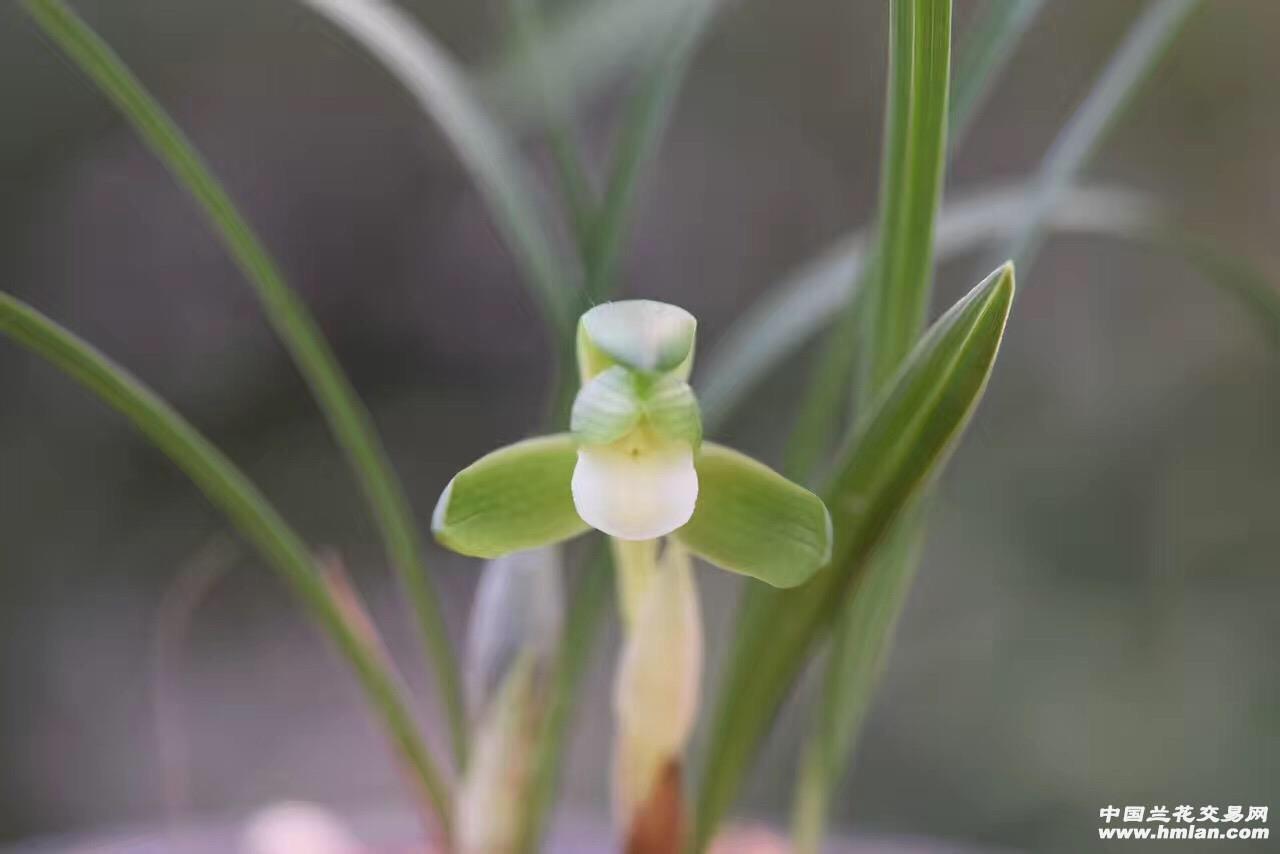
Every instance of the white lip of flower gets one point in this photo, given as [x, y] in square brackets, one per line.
[637, 488]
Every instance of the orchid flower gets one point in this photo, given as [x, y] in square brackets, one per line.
[635, 467]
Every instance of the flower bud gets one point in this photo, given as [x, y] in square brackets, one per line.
[514, 633]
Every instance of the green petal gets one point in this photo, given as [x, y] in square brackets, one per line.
[644, 335]
[515, 498]
[752, 520]
[672, 410]
[614, 401]
[606, 408]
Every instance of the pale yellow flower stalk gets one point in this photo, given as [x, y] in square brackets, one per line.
[656, 696]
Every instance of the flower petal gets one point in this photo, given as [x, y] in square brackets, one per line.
[643, 335]
[754, 521]
[635, 493]
[511, 499]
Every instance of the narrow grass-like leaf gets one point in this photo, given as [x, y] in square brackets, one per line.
[425, 69]
[893, 307]
[348, 419]
[805, 302]
[987, 47]
[859, 646]
[752, 520]
[514, 498]
[1144, 45]
[901, 447]
[1235, 275]
[648, 112]
[247, 509]
[594, 43]
[897, 297]
[853, 669]
[890, 312]
[557, 93]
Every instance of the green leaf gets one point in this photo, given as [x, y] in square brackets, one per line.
[864, 630]
[647, 113]
[247, 509]
[752, 520]
[557, 93]
[596, 44]
[350, 423]
[897, 297]
[861, 637]
[644, 335]
[429, 73]
[515, 498]
[900, 449]
[1143, 46]
[988, 45]
[777, 325]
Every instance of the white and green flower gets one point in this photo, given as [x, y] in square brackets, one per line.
[634, 466]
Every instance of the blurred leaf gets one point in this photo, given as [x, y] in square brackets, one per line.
[752, 520]
[594, 43]
[648, 112]
[247, 509]
[1236, 275]
[1130, 65]
[429, 73]
[557, 92]
[899, 450]
[791, 312]
[350, 423]
[987, 47]
[514, 498]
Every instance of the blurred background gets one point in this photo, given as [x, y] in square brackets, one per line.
[1095, 618]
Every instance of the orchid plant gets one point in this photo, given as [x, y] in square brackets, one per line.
[819, 573]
